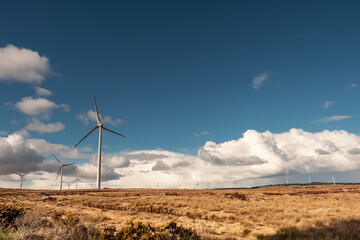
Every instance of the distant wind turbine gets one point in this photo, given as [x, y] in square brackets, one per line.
[197, 185]
[179, 185]
[76, 181]
[69, 183]
[309, 180]
[333, 178]
[21, 177]
[208, 185]
[99, 126]
[61, 170]
[235, 184]
[287, 181]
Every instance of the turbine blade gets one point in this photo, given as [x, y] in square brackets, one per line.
[69, 164]
[25, 174]
[97, 112]
[58, 173]
[86, 135]
[16, 173]
[57, 159]
[113, 132]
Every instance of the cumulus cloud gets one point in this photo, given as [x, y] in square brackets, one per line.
[253, 158]
[42, 92]
[22, 65]
[38, 106]
[16, 155]
[333, 118]
[260, 80]
[45, 128]
[327, 104]
[296, 151]
[90, 116]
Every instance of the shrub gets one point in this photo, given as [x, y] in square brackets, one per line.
[9, 213]
[139, 230]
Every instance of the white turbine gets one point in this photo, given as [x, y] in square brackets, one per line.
[21, 177]
[309, 180]
[333, 178]
[287, 180]
[61, 170]
[179, 185]
[101, 127]
[197, 185]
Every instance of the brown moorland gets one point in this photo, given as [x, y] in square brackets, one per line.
[274, 212]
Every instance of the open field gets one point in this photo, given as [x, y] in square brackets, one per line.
[264, 213]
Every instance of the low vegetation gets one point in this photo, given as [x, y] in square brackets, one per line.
[278, 212]
[16, 223]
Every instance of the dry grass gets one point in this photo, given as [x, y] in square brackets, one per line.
[265, 213]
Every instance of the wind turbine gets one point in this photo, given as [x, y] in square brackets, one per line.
[179, 185]
[69, 183]
[309, 180]
[61, 170]
[197, 185]
[287, 180]
[235, 184]
[76, 181]
[100, 126]
[333, 178]
[21, 177]
[208, 185]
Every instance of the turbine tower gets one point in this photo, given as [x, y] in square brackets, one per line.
[21, 177]
[101, 127]
[197, 185]
[235, 184]
[61, 170]
[333, 178]
[287, 180]
[309, 180]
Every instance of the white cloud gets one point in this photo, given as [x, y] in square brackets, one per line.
[333, 118]
[260, 80]
[253, 158]
[201, 133]
[45, 128]
[91, 116]
[42, 92]
[22, 65]
[327, 104]
[38, 106]
[296, 151]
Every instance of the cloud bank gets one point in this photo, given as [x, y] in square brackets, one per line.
[252, 157]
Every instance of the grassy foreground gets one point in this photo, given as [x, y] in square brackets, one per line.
[282, 212]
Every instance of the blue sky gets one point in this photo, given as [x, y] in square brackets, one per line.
[181, 73]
